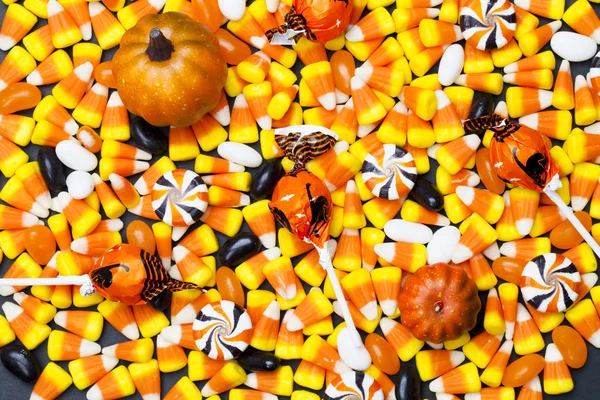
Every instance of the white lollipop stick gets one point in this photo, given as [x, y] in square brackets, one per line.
[87, 289]
[325, 261]
[573, 219]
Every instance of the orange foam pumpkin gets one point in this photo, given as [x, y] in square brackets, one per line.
[439, 303]
[169, 69]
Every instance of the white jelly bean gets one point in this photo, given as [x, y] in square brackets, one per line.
[75, 156]
[409, 232]
[80, 184]
[441, 245]
[451, 64]
[573, 46]
[240, 154]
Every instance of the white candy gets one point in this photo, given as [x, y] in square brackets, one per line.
[409, 232]
[573, 46]
[80, 184]
[451, 64]
[357, 358]
[75, 156]
[233, 9]
[240, 154]
[441, 245]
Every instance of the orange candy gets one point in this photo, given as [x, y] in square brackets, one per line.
[19, 96]
[342, 66]
[103, 75]
[486, 172]
[140, 235]
[509, 269]
[571, 346]
[522, 370]
[229, 286]
[565, 236]
[40, 243]
[382, 353]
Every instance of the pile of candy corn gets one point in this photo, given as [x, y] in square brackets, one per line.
[374, 86]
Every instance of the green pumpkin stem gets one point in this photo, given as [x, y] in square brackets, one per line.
[159, 47]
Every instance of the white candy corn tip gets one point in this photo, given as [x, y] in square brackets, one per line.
[185, 316]
[269, 240]
[89, 348]
[178, 232]
[369, 311]
[461, 253]
[60, 319]
[131, 332]
[388, 307]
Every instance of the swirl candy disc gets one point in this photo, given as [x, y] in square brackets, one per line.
[488, 24]
[550, 283]
[354, 385]
[389, 172]
[222, 330]
[179, 197]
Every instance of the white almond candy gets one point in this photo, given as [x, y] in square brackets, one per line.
[240, 154]
[75, 156]
[451, 64]
[80, 184]
[573, 46]
[441, 245]
[409, 232]
[232, 9]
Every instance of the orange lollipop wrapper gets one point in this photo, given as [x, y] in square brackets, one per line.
[124, 274]
[521, 157]
[518, 153]
[317, 20]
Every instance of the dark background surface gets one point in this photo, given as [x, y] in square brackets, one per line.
[587, 384]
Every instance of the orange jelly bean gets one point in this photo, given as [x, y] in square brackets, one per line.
[342, 65]
[571, 346]
[19, 96]
[522, 370]
[103, 75]
[234, 51]
[229, 286]
[139, 234]
[509, 269]
[565, 236]
[40, 243]
[382, 353]
[486, 172]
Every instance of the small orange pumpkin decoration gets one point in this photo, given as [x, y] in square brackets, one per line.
[439, 303]
[169, 69]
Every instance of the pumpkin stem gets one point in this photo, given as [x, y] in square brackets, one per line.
[438, 306]
[159, 47]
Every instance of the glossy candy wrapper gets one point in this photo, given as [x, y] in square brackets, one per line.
[130, 275]
[520, 156]
[124, 274]
[518, 153]
[318, 20]
[301, 202]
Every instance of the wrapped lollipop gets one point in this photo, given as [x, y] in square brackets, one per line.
[520, 157]
[125, 274]
[317, 20]
[302, 203]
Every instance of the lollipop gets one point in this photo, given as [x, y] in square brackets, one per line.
[317, 20]
[550, 283]
[179, 197]
[389, 172]
[520, 157]
[222, 330]
[488, 24]
[125, 274]
[302, 203]
[354, 385]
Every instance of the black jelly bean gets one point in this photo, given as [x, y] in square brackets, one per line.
[148, 137]
[427, 194]
[408, 384]
[20, 362]
[483, 104]
[259, 361]
[238, 249]
[266, 179]
[162, 301]
[52, 169]
[479, 328]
